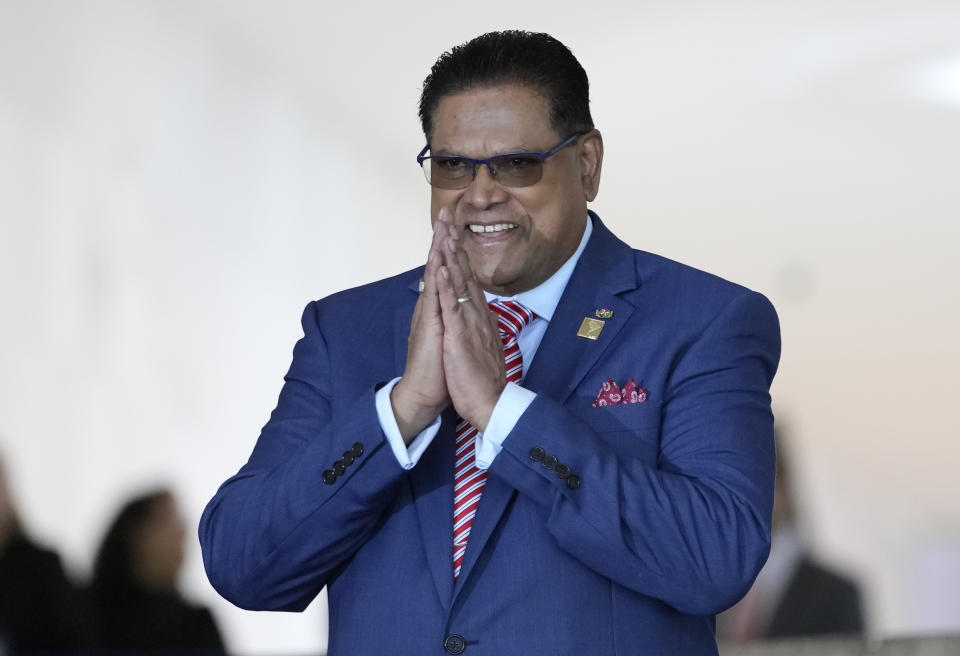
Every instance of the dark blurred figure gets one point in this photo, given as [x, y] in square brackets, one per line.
[40, 609]
[136, 603]
[794, 595]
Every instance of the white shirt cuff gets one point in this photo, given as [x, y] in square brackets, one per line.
[513, 402]
[406, 456]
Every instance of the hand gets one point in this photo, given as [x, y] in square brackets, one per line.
[421, 394]
[472, 350]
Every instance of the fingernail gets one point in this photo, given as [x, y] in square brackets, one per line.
[444, 273]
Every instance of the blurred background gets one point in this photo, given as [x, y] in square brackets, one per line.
[178, 178]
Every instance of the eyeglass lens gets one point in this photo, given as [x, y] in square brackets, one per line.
[509, 170]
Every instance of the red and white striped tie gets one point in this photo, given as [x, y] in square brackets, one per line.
[468, 481]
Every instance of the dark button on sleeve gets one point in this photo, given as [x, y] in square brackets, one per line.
[347, 458]
[339, 468]
[454, 644]
[573, 481]
[550, 462]
[329, 477]
[357, 450]
[563, 471]
[537, 454]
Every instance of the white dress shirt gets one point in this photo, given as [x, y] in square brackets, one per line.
[542, 300]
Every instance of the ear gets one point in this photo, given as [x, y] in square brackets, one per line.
[591, 160]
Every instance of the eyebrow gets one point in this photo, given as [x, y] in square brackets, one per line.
[443, 152]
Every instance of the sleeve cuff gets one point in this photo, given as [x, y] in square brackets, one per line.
[513, 402]
[407, 456]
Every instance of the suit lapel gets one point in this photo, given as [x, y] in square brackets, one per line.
[605, 269]
[497, 494]
[432, 484]
[401, 326]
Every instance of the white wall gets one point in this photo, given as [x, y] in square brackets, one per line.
[177, 179]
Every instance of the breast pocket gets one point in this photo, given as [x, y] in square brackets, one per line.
[632, 430]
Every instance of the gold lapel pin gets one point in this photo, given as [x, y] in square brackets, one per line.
[590, 328]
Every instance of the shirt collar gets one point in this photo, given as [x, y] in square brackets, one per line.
[542, 300]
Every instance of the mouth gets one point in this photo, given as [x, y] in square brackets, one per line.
[477, 228]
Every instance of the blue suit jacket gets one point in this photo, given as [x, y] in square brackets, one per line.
[669, 525]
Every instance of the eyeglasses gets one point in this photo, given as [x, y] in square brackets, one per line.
[509, 169]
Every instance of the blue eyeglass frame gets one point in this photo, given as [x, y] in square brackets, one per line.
[421, 158]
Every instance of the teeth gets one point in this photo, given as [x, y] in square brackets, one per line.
[498, 227]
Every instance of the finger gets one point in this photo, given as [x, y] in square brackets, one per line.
[445, 215]
[471, 286]
[459, 264]
[453, 231]
[442, 234]
[475, 309]
[458, 277]
[449, 306]
[446, 294]
[428, 297]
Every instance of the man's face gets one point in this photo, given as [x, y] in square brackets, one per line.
[546, 220]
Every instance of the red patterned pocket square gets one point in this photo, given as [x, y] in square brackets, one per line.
[611, 394]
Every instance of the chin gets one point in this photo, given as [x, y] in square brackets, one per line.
[485, 273]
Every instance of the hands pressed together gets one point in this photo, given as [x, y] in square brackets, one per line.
[454, 352]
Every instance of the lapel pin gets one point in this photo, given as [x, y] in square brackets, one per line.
[590, 328]
[604, 313]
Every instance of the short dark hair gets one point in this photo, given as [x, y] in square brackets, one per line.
[114, 579]
[531, 59]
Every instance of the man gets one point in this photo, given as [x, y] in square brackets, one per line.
[40, 608]
[449, 509]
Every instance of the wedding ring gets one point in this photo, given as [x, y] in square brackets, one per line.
[463, 299]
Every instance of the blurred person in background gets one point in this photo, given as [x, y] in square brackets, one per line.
[794, 595]
[135, 600]
[39, 606]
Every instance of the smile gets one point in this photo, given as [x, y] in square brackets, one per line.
[497, 227]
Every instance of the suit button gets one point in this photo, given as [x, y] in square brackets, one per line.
[339, 468]
[563, 471]
[329, 477]
[573, 481]
[454, 644]
[550, 462]
[357, 450]
[348, 458]
[537, 454]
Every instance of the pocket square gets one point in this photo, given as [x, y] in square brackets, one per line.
[611, 394]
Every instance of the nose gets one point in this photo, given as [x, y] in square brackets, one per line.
[484, 191]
